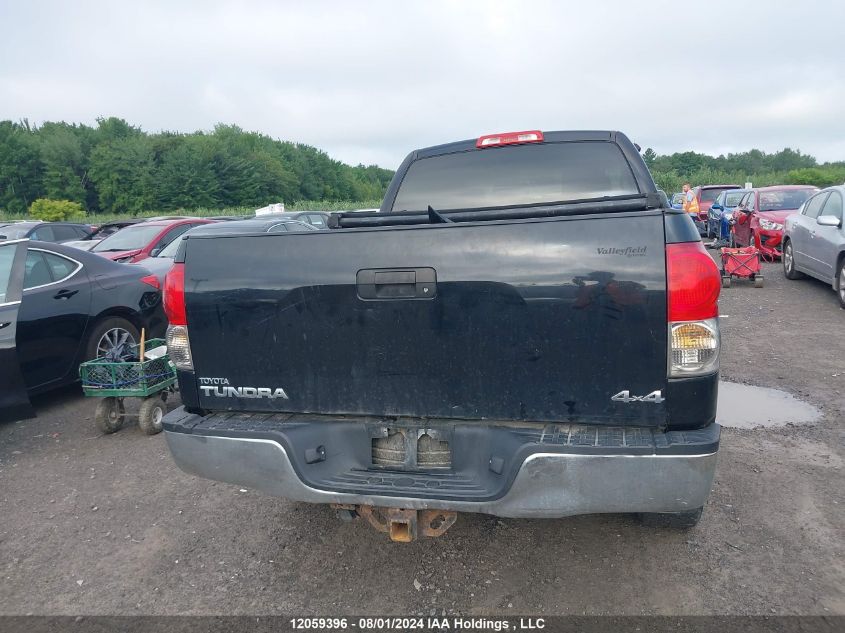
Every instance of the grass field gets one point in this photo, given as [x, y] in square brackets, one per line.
[302, 205]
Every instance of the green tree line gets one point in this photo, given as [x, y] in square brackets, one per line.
[115, 167]
[786, 167]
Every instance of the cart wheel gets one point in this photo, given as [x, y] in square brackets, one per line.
[726, 282]
[109, 414]
[150, 414]
[758, 281]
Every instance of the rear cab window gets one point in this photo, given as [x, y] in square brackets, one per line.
[516, 175]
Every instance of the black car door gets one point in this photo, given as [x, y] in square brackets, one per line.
[43, 233]
[66, 233]
[14, 402]
[53, 317]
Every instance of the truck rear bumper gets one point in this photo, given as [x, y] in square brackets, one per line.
[551, 481]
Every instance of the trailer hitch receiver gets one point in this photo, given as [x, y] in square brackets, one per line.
[403, 526]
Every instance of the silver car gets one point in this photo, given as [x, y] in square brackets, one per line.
[814, 240]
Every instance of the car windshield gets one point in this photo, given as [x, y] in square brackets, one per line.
[732, 198]
[129, 239]
[13, 232]
[516, 175]
[678, 198]
[709, 195]
[783, 199]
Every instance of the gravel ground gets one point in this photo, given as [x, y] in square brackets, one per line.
[97, 524]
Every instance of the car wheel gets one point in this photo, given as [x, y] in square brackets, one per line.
[676, 520]
[109, 415]
[788, 260]
[150, 415]
[114, 339]
[841, 289]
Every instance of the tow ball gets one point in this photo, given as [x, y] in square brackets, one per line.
[403, 526]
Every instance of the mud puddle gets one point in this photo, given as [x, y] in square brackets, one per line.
[745, 407]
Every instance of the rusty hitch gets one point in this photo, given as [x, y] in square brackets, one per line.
[403, 526]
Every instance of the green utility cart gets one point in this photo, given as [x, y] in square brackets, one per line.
[150, 379]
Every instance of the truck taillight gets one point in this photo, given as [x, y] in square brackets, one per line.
[692, 292]
[692, 282]
[174, 295]
[178, 344]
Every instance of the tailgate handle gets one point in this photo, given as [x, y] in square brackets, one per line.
[396, 277]
[388, 284]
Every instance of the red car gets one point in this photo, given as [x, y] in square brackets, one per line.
[706, 195]
[146, 239]
[760, 215]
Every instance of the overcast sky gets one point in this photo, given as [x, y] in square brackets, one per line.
[369, 81]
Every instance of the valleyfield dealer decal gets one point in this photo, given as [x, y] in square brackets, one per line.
[220, 388]
[627, 251]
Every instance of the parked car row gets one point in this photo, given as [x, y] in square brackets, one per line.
[756, 215]
[62, 304]
[800, 224]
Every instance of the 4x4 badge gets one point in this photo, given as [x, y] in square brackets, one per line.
[625, 396]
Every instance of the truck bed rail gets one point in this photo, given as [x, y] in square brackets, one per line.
[618, 204]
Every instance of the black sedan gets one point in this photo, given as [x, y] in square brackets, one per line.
[60, 306]
[44, 231]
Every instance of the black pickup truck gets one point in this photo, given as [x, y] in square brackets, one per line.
[524, 329]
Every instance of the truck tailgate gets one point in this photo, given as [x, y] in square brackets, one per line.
[537, 320]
